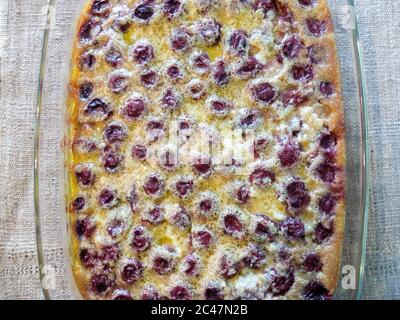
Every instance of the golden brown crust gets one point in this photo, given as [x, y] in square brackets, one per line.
[331, 110]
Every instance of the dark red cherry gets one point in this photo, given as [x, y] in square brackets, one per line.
[85, 227]
[134, 108]
[232, 224]
[115, 228]
[85, 145]
[181, 218]
[185, 124]
[202, 166]
[281, 282]
[155, 129]
[214, 293]
[153, 185]
[100, 7]
[262, 229]
[121, 295]
[316, 27]
[114, 57]
[132, 199]
[85, 90]
[123, 26]
[110, 254]
[203, 238]
[327, 141]
[249, 119]
[101, 283]
[78, 204]
[206, 206]
[141, 241]
[107, 197]
[155, 215]
[228, 267]
[317, 54]
[179, 43]
[209, 31]
[149, 78]
[181, 39]
[162, 265]
[302, 72]
[87, 61]
[259, 146]
[184, 187]
[289, 155]
[170, 99]
[327, 204]
[327, 88]
[255, 257]
[263, 92]
[264, 5]
[284, 12]
[291, 47]
[307, 3]
[238, 42]
[249, 68]
[132, 271]
[111, 161]
[284, 255]
[115, 132]
[293, 228]
[171, 8]
[242, 194]
[84, 175]
[88, 257]
[323, 233]
[118, 83]
[191, 266]
[279, 58]
[312, 262]
[220, 106]
[150, 293]
[139, 152]
[261, 177]
[220, 73]
[196, 89]
[326, 172]
[292, 97]
[86, 30]
[143, 54]
[174, 73]
[260, 143]
[201, 62]
[144, 11]
[316, 291]
[180, 293]
[98, 109]
[297, 195]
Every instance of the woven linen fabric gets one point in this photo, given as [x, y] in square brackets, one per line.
[21, 31]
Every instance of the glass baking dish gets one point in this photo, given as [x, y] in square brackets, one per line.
[50, 139]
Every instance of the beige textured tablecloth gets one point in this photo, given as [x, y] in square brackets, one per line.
[21, 31]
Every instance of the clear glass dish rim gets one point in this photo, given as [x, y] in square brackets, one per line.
[365, 173]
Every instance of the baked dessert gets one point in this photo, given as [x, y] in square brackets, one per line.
[207, 150]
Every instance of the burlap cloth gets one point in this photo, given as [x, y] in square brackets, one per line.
[21, 31]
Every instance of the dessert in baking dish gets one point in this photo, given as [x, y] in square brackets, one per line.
[207, 150]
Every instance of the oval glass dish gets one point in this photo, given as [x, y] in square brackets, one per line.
[51, 138]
